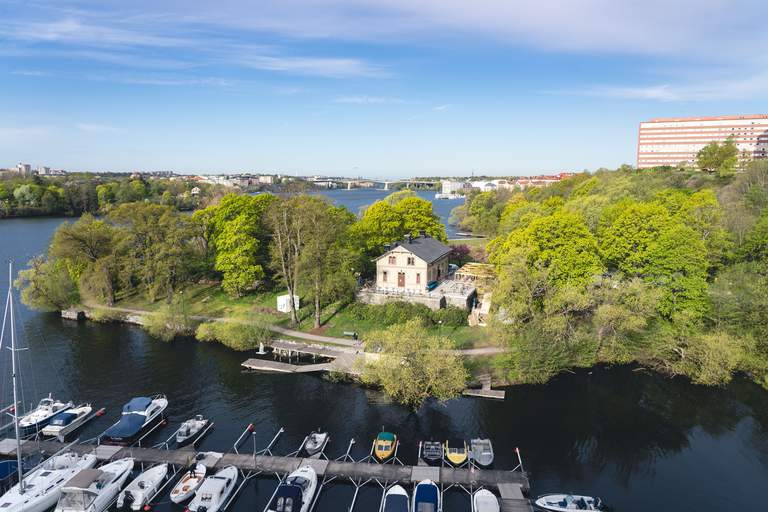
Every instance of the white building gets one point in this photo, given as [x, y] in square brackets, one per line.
[24, 169]
[452, 187]
[672, 141]
[266, 179]
[43, 170]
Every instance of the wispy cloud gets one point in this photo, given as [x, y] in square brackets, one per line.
[442, 108]
[96, 128]
[29, 72]
[368, 100]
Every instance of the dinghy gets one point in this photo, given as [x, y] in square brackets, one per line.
[296, 493]
[191, 429]
[42, 486]
[431, 452]
[143, 488]
[426, 497]
[315, 443]
[485, 501]
[456, 451]
[186, 487]
[568, 502]
[41, 415]
[93, 490]
[481, 451]
[395, 500]
[68, 421]
[214, 492]
[385, 445]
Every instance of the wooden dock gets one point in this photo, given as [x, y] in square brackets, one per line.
[341, 359]
[511, 484]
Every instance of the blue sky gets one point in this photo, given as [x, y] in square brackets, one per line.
[376, 88]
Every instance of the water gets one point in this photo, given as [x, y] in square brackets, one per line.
[640, 441]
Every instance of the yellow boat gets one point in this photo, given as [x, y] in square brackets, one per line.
[385, 445]
[456, 451]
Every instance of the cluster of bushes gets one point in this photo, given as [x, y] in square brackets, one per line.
[401, 312]
[237, 336]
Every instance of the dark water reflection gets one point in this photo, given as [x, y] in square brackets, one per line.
[641, 441]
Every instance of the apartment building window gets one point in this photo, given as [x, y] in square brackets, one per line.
[411, 260]
[384, 276]
[393, 260]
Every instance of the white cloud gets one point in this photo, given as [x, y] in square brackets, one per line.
[442, 108]
[368, 100]
[29, 72]
[317, 66]
[95, 128]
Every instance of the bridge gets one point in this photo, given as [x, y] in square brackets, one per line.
[350, 183]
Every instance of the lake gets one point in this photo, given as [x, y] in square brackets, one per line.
[640, 441]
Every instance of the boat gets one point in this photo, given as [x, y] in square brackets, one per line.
[185, 488]
[191, 430]
[214, 491]
[385, 445]
[431, 452]
[481, 451]
[142, 488]
[315, 443]
[567, 502]
[138, 415]
[36, 419]
[395, 500]
[42, 485]
[296, 493]
[426, 497]
[456, 451]
[485, 501]
[68, 421]
[93, 490]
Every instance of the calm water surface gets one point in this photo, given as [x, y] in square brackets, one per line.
[640, 441]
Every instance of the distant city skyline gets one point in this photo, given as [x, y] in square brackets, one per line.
[381, 89]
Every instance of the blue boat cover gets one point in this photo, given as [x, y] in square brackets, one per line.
[7, 468]
[64, 418]
[426, 495]
[396, 503]
[287, 499]
[128, 426]
[138, 404]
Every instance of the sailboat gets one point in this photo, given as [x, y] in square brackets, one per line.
[40, 489]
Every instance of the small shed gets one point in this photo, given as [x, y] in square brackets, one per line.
[284, 304]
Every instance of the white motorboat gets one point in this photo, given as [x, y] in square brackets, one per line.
[214, 491]
[568, 502]
[426, 497]
[138, 415]
[395, 500]
[143, 488]
[190, 430]
[481, 451]
[68, 421]
[185, 488]
[41, 415]
[485, 501]
[42, 486]
[296, 493]
[93, 490]
[315, 443]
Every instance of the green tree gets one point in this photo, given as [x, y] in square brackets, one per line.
[414, 364]
[719, 159]
[237, 335]
[237, 255]
[47, 285]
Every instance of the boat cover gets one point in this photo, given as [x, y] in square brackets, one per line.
[427, 495]
[138, 404]
[386, 436]
[396, 503]
[128, 426]
[288, 498]
[62, 419]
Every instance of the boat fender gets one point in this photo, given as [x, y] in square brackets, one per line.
[147, 508]
[250, 427]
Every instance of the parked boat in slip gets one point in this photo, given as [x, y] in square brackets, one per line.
[68, 421]
[384, 445]
[431, 452]
[192, 479]
[36, 419]
[426, 497]
[138, 415]
[191, 430]
[93, 490]
[214, 492]
[142, 488]
[296, 493]
[481, 451]
[315, 443]
[456, 451]
[485, 501]
[395, 500]
[568, 502]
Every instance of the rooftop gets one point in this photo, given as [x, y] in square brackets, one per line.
[425, 247]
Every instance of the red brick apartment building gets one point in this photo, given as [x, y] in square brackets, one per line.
[671, 141]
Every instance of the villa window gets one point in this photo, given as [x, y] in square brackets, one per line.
[393, 260]
[384, 276]
[418, 278]
[411, 261]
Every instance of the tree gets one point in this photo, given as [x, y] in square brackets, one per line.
[625, 241]
[47, 285]
[414, 365]
[719, 159]
[755, 247]
[171, 322]
[237, 335]
[237, 256]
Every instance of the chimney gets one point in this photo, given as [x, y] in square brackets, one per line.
[422, 233]
[387, 247]
[408, 238]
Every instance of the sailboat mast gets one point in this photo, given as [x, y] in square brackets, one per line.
[19, 467]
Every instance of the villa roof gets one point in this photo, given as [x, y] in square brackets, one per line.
[425, 247]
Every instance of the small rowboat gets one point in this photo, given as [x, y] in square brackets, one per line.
[385, 445]
[431, 452]
[315, 443]
[568, 502]
[190, 430]
[485, 501]
[456, 451]
[186, 487]
[481, 451]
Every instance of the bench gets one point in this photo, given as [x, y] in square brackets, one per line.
[351, 334]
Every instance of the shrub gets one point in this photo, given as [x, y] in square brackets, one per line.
[237, 336]
[169, 323]
[450, 316]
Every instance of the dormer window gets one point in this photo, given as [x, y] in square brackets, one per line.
[393, 260]
[411, 260]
